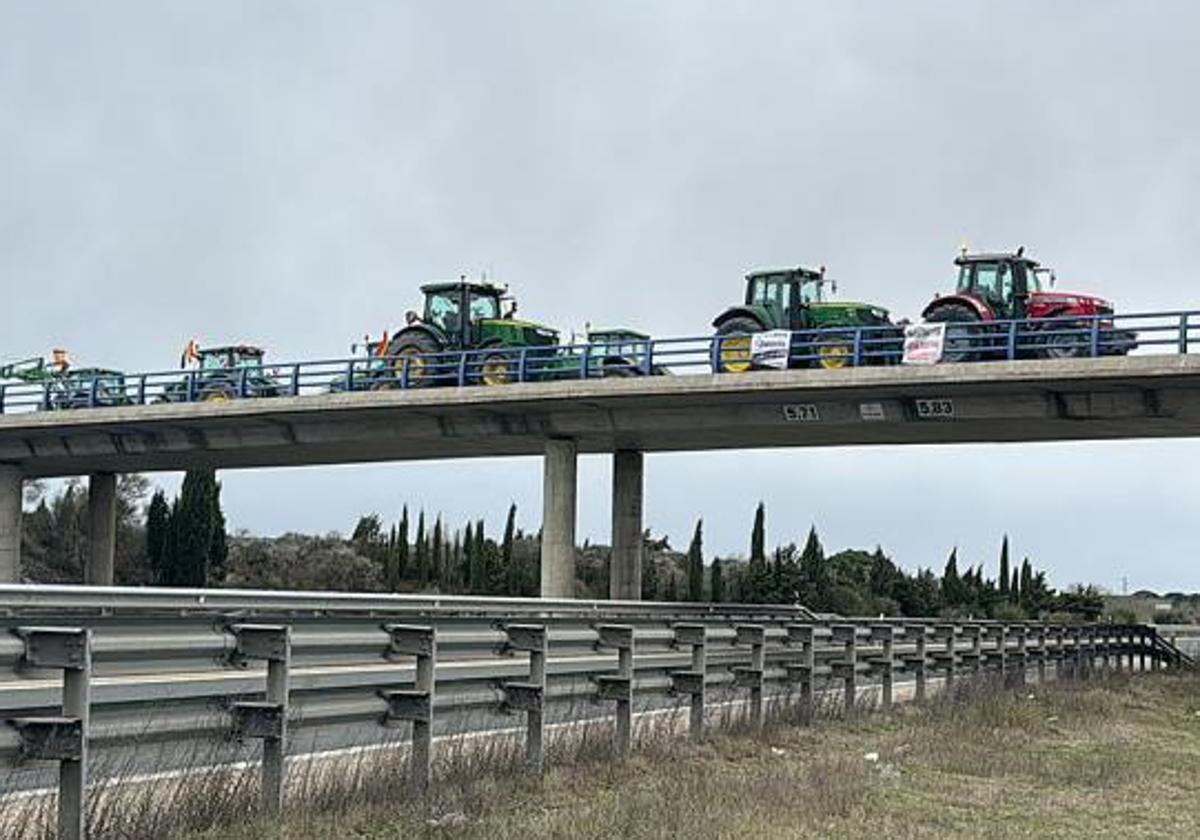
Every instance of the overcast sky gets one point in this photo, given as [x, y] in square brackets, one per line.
[288, 173]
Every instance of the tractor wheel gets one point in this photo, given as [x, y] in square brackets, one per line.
[834, 352]
[1065, 345]
[734, 336]
[383, 383]
[497, 369]
[959, 346]
[619, 367]
[217, 392]
[411, 351]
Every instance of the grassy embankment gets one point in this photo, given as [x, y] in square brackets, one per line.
[1119, 758]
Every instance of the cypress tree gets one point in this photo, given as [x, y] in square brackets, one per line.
[717, 584]
[402, 546]
[512, 575]
[695, 564]
[758, 536]
[483, 560]
[158, 526]
[422, 552]
[1004, 572]
[1026, 583]
[194, 524]
[469, 572]
[438, 561]
[952, 587]
[814, 573]
[1014, 586]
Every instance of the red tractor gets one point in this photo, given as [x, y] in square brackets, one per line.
[1008, 287]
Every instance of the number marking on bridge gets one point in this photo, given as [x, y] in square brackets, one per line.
[941, 409]
[801, 413]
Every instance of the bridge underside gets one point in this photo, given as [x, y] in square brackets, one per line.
[1087, 399]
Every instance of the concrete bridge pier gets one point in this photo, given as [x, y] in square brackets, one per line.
[102, 529]
[625, 568]
[11, 487]
[559, 488]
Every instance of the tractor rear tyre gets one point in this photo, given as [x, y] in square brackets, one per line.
[734, 354]
[1065, 345]
[960, 344]
[413, 352]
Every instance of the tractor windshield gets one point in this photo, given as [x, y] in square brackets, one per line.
[247, 359]
[214, 361]
[812, 291]
[991, 281]
[484, 307]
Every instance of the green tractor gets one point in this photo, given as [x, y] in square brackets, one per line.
[69, 387]
[469, 316]
[794, 299]
[222, 373]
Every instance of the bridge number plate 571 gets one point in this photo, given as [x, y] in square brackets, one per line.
[801, 413]
[935, 409]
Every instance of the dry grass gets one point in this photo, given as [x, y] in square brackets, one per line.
[1119, 758]
[1114, 758]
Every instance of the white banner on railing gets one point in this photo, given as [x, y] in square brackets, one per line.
[924, 343]
[771, 349]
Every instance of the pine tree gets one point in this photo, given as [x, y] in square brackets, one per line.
[158, 526]
[717, 584]
[695, 564]
[1004, 572]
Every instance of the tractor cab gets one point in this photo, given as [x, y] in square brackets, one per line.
[1002, 283]
[783, 296]
[233, 357]
[456, 310]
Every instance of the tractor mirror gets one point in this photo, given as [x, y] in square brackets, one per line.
[1053, 279]
[410, 317]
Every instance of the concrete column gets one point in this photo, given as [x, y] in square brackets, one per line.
[10, 524]
[558, 519]
[102, 529]
[625, 569]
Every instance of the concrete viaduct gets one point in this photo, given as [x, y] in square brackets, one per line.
[1084, 399]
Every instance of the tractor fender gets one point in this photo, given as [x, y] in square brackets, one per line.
[976, 306]
[427, 330]
[740, 312]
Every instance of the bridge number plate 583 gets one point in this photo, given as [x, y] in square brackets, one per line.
[801, 413]
[934, 409]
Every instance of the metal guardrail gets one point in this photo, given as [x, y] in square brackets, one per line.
[1172, 333]
[302, 675]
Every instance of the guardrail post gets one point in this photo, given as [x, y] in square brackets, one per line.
[1022, 653]
[917, 661]
[530, 697]
[416, 704]
[885, 664]
[947, 658]
[266, 719]
[803, 671]
[974, 633]
[1095, 336]
[847, 669]
[1002, 652]
[1060, 651]
[692, 681]
[1142, 637]
[1012, 340]
[63, 738]
[754, 635]
[619, 686]
[1043, 653]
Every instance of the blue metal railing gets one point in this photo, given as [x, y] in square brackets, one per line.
[1164, 333]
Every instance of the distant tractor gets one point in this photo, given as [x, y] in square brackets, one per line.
[1000, 287]
[465, 315]
[67, 387]
[619, 351]
[222, 373]
[794, 299]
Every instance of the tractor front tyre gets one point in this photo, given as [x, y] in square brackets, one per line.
[961, 329]
[734, 354]
[412, 361]
[218, 393]
[497, 369]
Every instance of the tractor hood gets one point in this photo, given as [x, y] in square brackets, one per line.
[527, 331]
[865, 313]
[1070, 300]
